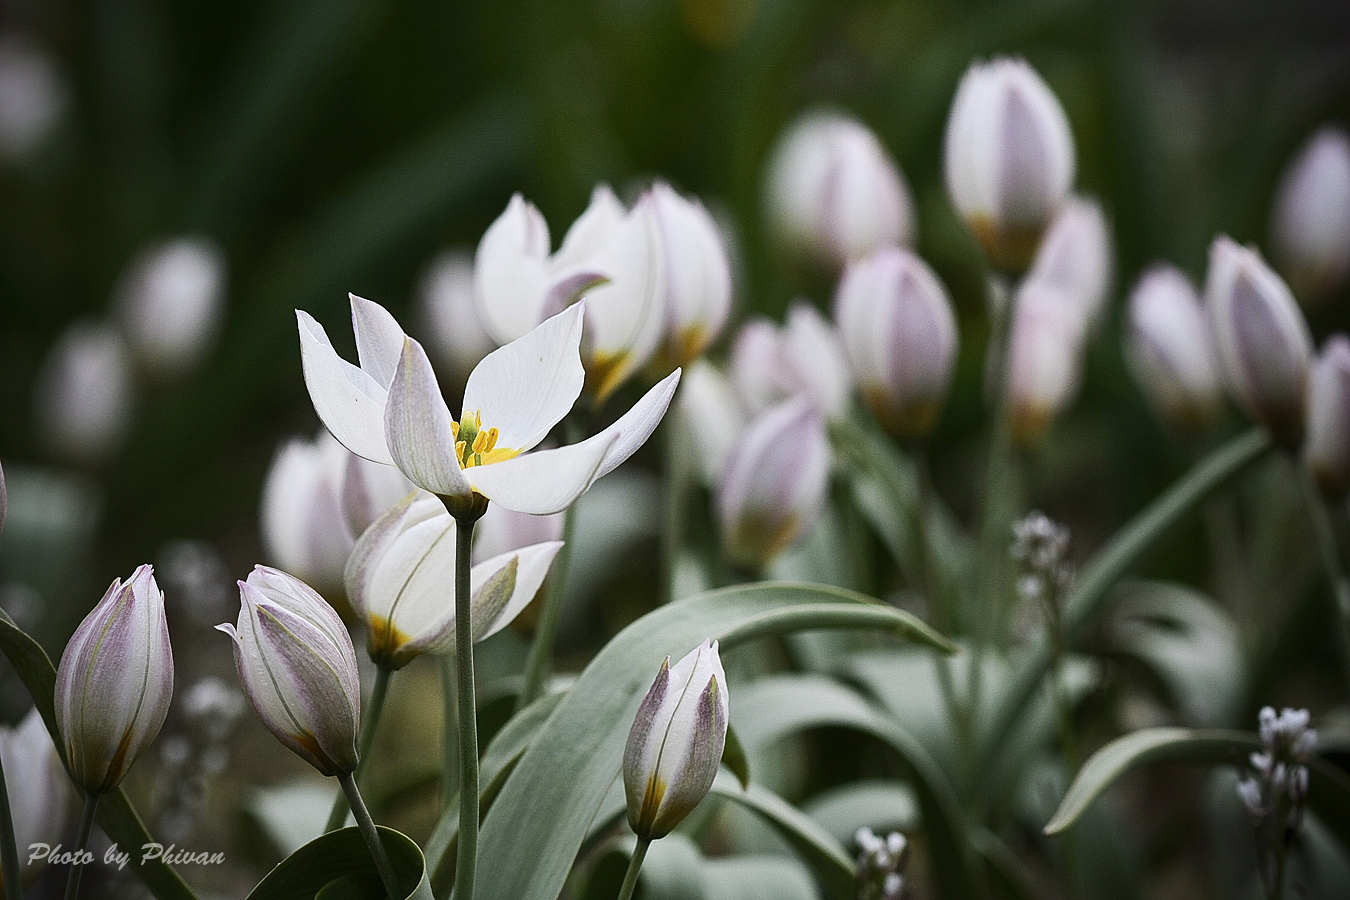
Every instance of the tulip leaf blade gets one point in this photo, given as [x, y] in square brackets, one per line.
[734, 758]
[116, 816]
[545, 810]
[338, 866]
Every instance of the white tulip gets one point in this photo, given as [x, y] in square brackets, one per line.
[39, 792]
[676, 742]
[1263, 342]
[114, 683]
[297, 666]
[390, 410]
[502, 530]
[1008, 158]
[898, 328]
[1327, 448]
[448, 315]
[171, 302]
[1310, 222]
[1170, 349]
[1045, 358]
[84, 393]
[713, 415]
[1075, 256]
[804, 358]
[834, 192]
[398, 573]
[697, 274]
[756, 364]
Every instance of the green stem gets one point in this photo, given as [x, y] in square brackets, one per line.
[1106, 567]
[541, 650]
[1331, 560]
[634, 866]
[467, 859]
[81, 844]
[369, 723]
[9, 852]
[449, 729]
[371, 834]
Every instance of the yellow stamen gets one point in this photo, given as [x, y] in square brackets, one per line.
[480, 442]
[460, 447]
[454, 430]
[492, 435]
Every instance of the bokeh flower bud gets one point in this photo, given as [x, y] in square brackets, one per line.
[1045, 359]
[39, 791]
[1310, 222]
[676, 742]
[804, 358]
[447, 316]
[899, 330]
[171, 302]
[1326, 450]
[1075, 256]
[697, 274]
[397, 577]
[114, 683]
[834, 193]
[756, 364]
[1263, 342]
[774, 484]
[713, 415]
[84, 393]
[298, 668]
[1170, 350]
[1008, 158]
[34, 94]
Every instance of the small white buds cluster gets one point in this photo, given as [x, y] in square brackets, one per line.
[1041, 546]
[881, 864]
[1170, 349]
[1310, 222]
[834, 192]
[1275, 788]
[676, 742]
[1326, 448]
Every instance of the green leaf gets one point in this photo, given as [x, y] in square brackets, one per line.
[883, 805]
[545, 810]
[1328, 790]
[116, 815]
[756, 878]
[338, 866]
[734, 758]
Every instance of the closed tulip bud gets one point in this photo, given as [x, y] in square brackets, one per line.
[316, 501]
[714, 417]
[1310, 224]
[448, 315]
[805, 358]
[676, 743]
[84, 393]
[775, 482]
[834, 193]
[1008, 158]
[1327, 448]
[698, 275]
[397, 574]
[1045, 359]
[1170, 350]
[899, 330]
[757, 365]
[39, 792]
[170, 301]
[115, 682]
[1263, 342]
[298, 669]
[1075, 256]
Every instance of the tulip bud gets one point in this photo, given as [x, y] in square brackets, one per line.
[698, 275]
[114, 683]
[834, 192]
[899, 330]
[1170, 350]
[316, 501]
[757, 363]
[805, 358]
[298, 668]
[170, 302]
[448, 315]
[398, 572]
[1075, 256]
[1327, 448]
[775, 482]
[676, 742]
[502, 530]
[1310, 224]
[39, 792]
[1045, 359]
[1263, 343]
[33, 96]
[1008, 158]
[84, 393]
[713, 416]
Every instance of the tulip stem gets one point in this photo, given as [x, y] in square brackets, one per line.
[1331, 560]
[369, 723]
[370, 833]
[634, 866]
[81, 843]
[9, 853]
[536, 664]
[467, 859]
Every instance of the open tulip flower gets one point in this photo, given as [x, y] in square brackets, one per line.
[396, 579]
[390, 410]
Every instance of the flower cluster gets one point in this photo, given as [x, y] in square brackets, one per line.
[1275, 788]
[881, 865]
[1041, 546]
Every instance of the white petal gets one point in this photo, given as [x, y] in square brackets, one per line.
[532, 568]
[816, 360]
[593, 230]
[379, 339]
[635, 426]
[349, 401]
[526, 387]
[545, 481]
[418, 426]
[511, 274]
